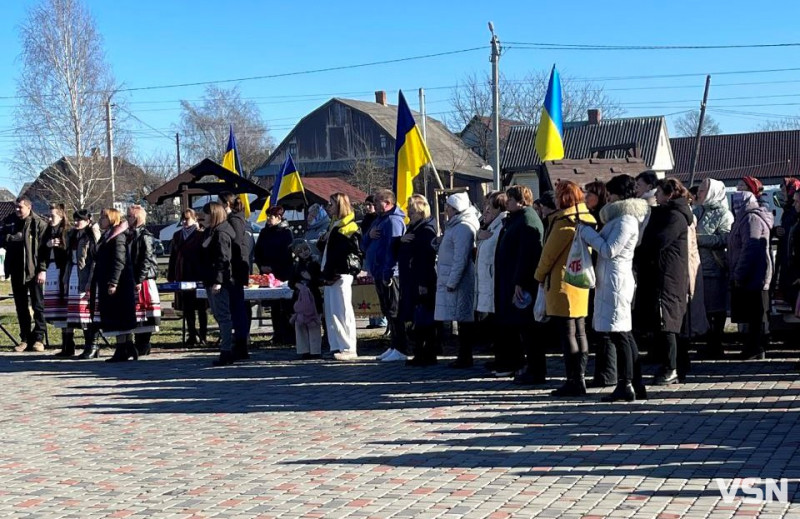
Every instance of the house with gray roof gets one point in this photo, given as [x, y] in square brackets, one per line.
[355, 140]
[595, 140]
[768, 156]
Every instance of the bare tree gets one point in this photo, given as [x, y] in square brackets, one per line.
[791, 122]
[521, 100]
[205, 127]
[63, 87]
[686, 125]
[370, 172]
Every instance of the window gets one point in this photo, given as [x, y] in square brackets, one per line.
[384, 142]
[293, 148]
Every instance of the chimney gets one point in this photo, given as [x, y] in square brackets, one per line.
[595, 114]
[380, 97]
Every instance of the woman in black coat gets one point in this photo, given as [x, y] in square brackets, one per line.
[416, 259]
[241, 264]
[113, 293]
[145, 272]
[274, 256]
[185, 251]
[218, 278]
[518, 251]
[662, 268]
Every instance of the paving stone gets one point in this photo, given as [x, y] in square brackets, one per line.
[168, 437]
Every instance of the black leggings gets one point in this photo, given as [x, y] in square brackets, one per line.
[572, 334]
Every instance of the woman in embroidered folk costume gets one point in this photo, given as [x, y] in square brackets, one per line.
[113, 292]
[145, 272]
[55, 293]
[81, 249]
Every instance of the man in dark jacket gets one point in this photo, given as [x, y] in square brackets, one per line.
[381, 244]
[241, 267]
[274, 256]
[26, 263]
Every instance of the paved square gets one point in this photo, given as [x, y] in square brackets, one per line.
[171, 437]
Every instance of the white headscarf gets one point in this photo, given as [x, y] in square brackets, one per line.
[716, 193]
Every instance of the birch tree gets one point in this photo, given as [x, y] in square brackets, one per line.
[63, 87]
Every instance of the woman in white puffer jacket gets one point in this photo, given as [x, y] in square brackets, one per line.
[623, 219]
[494, 211]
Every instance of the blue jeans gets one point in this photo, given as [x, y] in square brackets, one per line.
[221, 304]
[240, 313]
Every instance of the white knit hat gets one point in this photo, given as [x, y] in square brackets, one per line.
[458, 201]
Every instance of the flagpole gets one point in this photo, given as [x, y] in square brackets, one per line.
[425, 140]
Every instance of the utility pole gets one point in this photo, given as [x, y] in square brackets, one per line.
[424, 136]
[178, 150]
[110, 150]
[696, 156]
[495, 107]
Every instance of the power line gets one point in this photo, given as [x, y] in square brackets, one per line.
[690, 74]
[285, 74]
[582, 46]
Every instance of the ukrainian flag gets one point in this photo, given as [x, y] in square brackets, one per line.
[550, 134]
[411, 154]
[286, 183]
[230, 161]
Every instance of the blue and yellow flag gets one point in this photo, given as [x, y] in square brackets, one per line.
[411, 154]
[550, 134]
[230, 161]
[286, 183]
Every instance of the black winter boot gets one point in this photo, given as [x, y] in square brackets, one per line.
[226, 358]
[240, 350]
[624, 391]
[575, 385]
[124, 351]
[68, 346]
[90, 350]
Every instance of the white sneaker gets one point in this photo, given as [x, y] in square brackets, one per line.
[345, 355]
[396, 356]
[385, 354]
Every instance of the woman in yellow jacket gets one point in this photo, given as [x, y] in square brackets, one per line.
[567, 306]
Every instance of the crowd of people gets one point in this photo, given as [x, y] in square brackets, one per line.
[670, 266]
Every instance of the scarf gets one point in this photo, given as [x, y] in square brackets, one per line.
[187, 231]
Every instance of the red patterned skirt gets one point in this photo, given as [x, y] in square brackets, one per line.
[78, 314]
[148, 308]
[55, 299]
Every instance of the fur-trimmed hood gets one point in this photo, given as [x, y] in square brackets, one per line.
[636, 207]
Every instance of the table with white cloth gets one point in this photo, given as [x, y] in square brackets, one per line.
[259, 295]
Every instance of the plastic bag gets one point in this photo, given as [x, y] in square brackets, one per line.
[540, 306]
[580, 271]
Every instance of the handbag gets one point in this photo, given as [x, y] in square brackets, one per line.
[540, 306]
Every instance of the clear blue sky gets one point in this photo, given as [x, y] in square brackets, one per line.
[163, 42]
